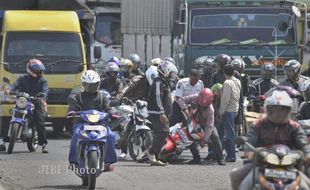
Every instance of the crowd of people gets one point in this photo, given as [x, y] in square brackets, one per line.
[213, 94]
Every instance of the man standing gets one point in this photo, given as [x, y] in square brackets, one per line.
[229, 110]
[187, 86]
[159, 106]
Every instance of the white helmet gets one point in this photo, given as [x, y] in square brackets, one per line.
[156, 61]
[90, 81]
[166, 68]
[151, 73]
[305, 90]
[279, 98]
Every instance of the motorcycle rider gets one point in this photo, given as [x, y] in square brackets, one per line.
[111, 82]
[276, 128]
[90, 98]
[33, 84]
[245, 80]
[261, 85]
[136, 61]
[159, 106]
[204, 115]
[221, 60]
[303, 113]
[293, 77]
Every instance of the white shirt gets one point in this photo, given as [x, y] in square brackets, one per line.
[184, 88]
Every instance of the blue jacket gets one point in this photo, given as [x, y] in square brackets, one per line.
[30, 85]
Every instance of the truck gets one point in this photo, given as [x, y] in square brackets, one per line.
[57, 35]
[257, 31]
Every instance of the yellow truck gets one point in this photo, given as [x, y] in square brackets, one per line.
[55, 38]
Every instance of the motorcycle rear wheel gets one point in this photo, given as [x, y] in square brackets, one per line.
[32, 144]
[14, 132]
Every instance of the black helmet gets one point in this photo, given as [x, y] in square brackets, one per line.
[135, 59]
[222, 60]
[268, 67]
[267, 71]
[292, 65]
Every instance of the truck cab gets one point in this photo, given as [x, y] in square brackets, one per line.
[55, 38]
[257, 31]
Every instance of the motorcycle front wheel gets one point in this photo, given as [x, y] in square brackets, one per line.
[14, 133]
[142, 143]
[92, 166]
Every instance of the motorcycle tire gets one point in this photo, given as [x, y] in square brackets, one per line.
[32, 143]
[14, 133]
[144, 140]
[92, 164]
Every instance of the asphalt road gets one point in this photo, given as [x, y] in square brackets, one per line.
[24, 170]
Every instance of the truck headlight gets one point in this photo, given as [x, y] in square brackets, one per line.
[21, 102]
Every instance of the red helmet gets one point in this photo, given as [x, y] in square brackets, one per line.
[205, 97]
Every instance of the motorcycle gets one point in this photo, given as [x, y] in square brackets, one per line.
[91, 147]
[21, 127]
[132, 127]
[277, 166]
[181, 137]
[305, 124]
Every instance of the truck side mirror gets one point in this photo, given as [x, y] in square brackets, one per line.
[97, 52]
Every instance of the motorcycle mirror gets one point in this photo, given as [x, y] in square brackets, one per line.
[241, 140]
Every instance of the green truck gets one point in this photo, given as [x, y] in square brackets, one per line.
[258, 31]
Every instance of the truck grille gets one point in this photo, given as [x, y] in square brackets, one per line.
[58, 95]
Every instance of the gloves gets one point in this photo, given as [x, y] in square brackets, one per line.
[163, 119]
[71, 113]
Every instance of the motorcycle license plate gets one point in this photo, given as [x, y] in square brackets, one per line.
[280, 174]
[94, 128]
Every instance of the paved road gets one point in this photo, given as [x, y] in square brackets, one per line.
[24, 170]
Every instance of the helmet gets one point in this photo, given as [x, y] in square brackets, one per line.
[305, 90]
[278, 98]
[222, 60]
[90, 81]
[115, 60]
[156, 61]
[209, 62]
[238, 63]
[126, 65]
[267, 70]
[205, 97]
[151, 73]
[35, 68]
[170, 59]
[166, 68]
[135, 59]
[268, 67]
[112, 67]
[292, 65]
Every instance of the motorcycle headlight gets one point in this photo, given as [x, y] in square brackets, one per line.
[21, 102]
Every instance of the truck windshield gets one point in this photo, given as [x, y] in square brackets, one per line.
[59, 52]
[237, 25]
[108, 28]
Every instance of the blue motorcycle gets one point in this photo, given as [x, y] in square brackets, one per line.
[91, 144]
[21, 127]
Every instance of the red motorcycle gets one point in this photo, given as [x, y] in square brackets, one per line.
[181, 136]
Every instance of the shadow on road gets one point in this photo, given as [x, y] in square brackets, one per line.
[63, 187]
